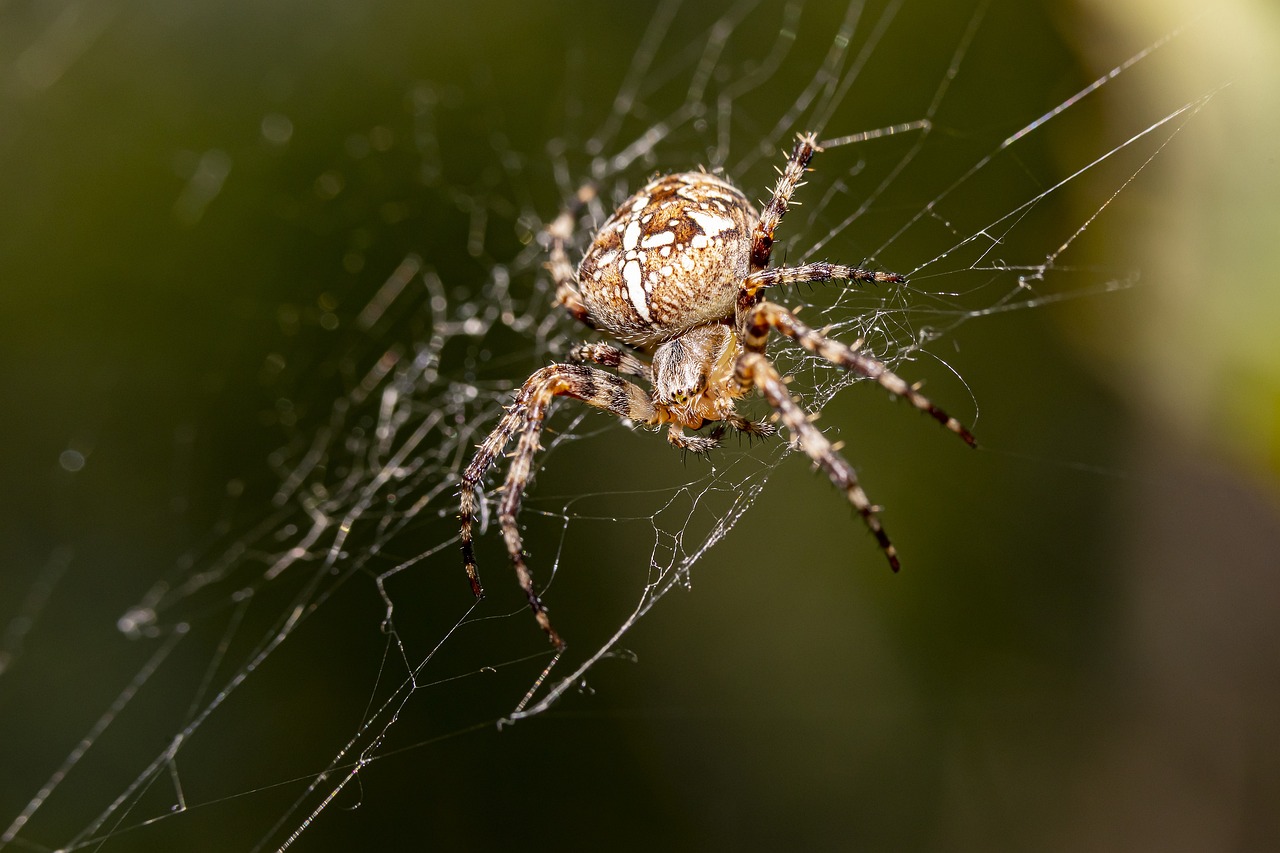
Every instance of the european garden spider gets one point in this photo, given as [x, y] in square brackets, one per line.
[677, 274]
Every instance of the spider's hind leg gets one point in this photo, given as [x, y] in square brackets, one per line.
[560, 232]
[610, 356]
[788, 181]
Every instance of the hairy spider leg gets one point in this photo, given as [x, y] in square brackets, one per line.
[816, 273]
[754, 369]
[610, 356]
[755, 318]
[767, 315]
[788, 182]
[526, 415]
[562, 272]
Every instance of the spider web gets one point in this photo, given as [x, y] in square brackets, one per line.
[332, 592]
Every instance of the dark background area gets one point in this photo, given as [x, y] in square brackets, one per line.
[1081, 651]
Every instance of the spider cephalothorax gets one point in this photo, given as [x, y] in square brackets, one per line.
[677, 275]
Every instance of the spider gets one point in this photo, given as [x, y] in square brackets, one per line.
[677, 274]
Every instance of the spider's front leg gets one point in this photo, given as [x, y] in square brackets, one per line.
[526, 416]
[753, 369]
[766, 316]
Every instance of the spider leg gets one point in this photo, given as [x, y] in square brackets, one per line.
[766, 316]
[816, 273]
[562, 272]
[610, 356]
[591, 386]
[753, 368]
[788, 181]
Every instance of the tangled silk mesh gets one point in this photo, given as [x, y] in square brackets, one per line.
[361, 531]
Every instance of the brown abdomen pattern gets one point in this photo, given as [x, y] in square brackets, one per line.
[672, 257]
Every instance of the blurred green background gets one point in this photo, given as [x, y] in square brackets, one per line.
[1082, 650]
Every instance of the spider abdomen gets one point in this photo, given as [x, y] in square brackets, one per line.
[671, 258]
